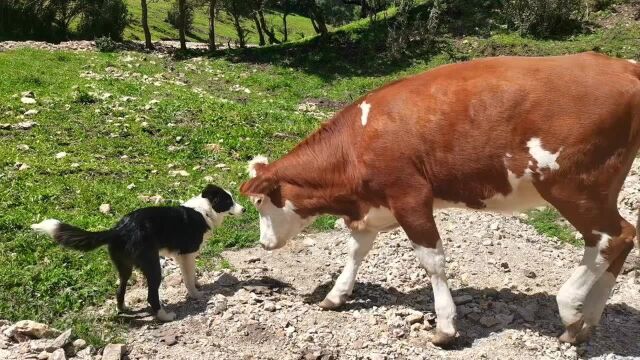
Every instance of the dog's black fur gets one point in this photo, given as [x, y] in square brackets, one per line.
[139, 236]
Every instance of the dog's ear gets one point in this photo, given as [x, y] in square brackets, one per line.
[212, 192]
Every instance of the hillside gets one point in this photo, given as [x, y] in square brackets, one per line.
[299, 26]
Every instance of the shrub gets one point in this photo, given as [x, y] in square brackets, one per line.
[545, 18]
[106, 44]
[104, 18]
[173, 16]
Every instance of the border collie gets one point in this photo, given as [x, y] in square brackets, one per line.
[142, 235]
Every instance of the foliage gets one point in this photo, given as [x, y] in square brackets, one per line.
[547, 221]
[106, 44]
[104, 18]
[173, 16]
[545, 18]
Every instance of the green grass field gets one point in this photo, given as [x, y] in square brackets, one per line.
[131, 119]
[298, 26]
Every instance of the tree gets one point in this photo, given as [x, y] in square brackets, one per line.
[239, 9]
[102, 18]
[259, 10]
[213, 9]
[145, 25]
[182, 9]
[314, 12]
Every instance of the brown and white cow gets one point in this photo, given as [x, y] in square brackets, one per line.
[498, 134]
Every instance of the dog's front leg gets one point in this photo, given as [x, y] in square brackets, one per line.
[187, 264]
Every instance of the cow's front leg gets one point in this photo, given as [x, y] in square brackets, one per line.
[415, 214]
[359, 245]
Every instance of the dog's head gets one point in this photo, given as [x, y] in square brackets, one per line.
[221, 201]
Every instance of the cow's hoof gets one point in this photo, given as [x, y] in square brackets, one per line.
[442, 340]
[328, 304]
[575, 333]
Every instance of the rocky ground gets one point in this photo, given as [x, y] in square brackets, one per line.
[503, 275]
[163, 46]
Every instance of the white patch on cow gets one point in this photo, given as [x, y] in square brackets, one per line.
[279, 225]
[258, 159]
[632, 61]
[545, 158]
[433, 260]
[48, 227]
[365, 107]
[380, 219]
[597, 299]
[573, 294]
[360, 244]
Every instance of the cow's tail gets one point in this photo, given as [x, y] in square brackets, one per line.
[72, 237]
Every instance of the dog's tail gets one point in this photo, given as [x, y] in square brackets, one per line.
[72, 237]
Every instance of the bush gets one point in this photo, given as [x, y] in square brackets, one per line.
[104, 18]
[173, 17]
[545, 18]
[106, 44]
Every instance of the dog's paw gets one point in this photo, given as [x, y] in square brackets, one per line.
[162, 315]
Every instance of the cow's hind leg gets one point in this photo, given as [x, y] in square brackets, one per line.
[415, 215]
[359, 246]
[608, 239]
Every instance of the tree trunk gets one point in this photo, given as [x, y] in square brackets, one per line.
[182, 8]
[239, 29]
[285, 31]
[145, 25]
[320, 24]
[212, 24]
[259, 28]
[270, 33]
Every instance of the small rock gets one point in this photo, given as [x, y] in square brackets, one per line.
[30, 328]
[113, 352]
[28, 100]
[178, 173]
[487, 242]
[79, 344]
[340, 224]
[5, 126]
[31, 112]
[61, 155]
[253, 259]
[505, 266]
[414, 318]
[530, 274]
[220, 304]
[131, 186]
[23, 167]
[169, 339]
[215, 148]
[43, 355]
[25, 125]
[462, 299]
[269, 306]
[61, 341]
[488, 321]
[23, 147]
[105, 209]
[58, 355]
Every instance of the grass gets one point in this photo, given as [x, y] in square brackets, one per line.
[548, 222]
[298, 26]
[113, 142]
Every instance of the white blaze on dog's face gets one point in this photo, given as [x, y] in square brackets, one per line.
[215, 203]
[279, 221]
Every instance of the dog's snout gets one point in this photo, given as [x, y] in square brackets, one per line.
[244, 210]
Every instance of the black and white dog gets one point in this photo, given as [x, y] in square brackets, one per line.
[142, 235]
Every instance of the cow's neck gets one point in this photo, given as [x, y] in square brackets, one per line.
[320, 172]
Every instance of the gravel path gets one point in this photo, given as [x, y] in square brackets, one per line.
[503, 275]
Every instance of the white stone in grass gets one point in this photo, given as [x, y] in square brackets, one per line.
[31, 112]
[28, 100]
[178, 173]
[23, 147]
[131, 186]
[61, 155]
[105, 208]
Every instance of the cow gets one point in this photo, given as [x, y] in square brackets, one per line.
[501, 134]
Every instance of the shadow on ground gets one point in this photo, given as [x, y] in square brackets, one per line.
[617, 333]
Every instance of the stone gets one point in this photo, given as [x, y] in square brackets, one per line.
[79, 344]
[23, 147]
[414, 318]
[25, 125]
[175, 173]
[58, 355]
[462, 299]
[28, 100]
[31, 112]
[488, 321]
[61, 155]
[487, 242]
[43, 355]
[113, 352]
[61, 341]
[530, 274]
[30, 328]
[269, 306]
[505, 266]
[105, 208]
[528, 312]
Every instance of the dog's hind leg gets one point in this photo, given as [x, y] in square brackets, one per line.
[125, 267]
[150, 266]
[187, 264]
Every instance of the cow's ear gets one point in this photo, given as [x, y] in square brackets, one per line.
[256, 165]
[259, 186]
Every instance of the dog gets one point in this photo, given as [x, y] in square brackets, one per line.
[141, 236]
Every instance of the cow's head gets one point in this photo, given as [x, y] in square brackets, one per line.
[279, 220]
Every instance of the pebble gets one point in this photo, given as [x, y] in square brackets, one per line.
[113, 352]
[58, 355]
[61, 155]
[105, 208]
